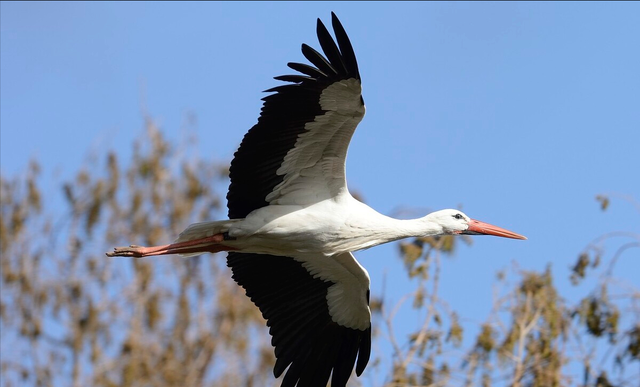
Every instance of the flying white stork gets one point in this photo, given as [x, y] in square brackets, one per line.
[293, 225]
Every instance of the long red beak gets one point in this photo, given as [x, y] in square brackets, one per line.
[477, 227]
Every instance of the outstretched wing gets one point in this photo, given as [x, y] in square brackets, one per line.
[296, 152]
[317, 310]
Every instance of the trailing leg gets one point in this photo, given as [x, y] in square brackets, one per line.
[210, 244]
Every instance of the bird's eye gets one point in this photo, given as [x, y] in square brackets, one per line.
[458, 216]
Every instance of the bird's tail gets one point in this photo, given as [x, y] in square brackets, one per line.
[204, 230]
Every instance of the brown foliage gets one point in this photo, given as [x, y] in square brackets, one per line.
[532, 337]
[71, 316]
[80, 318]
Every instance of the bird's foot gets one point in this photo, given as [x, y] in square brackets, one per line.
[135, 251]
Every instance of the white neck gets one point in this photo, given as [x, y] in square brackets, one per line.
[379, 229]
[420, 227]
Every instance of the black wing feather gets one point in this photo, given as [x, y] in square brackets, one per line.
[348, 55]
[282, 119]
[306, 69]
[317, 59]
[305, 338]
[330, 49]
[292, 78]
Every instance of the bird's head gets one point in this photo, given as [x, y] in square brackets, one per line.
[456, 222]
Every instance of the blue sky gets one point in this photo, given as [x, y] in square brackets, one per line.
[520, 113]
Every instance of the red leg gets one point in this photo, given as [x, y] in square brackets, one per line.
[206, 245]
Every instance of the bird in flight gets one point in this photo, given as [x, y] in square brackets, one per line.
[293, 225]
